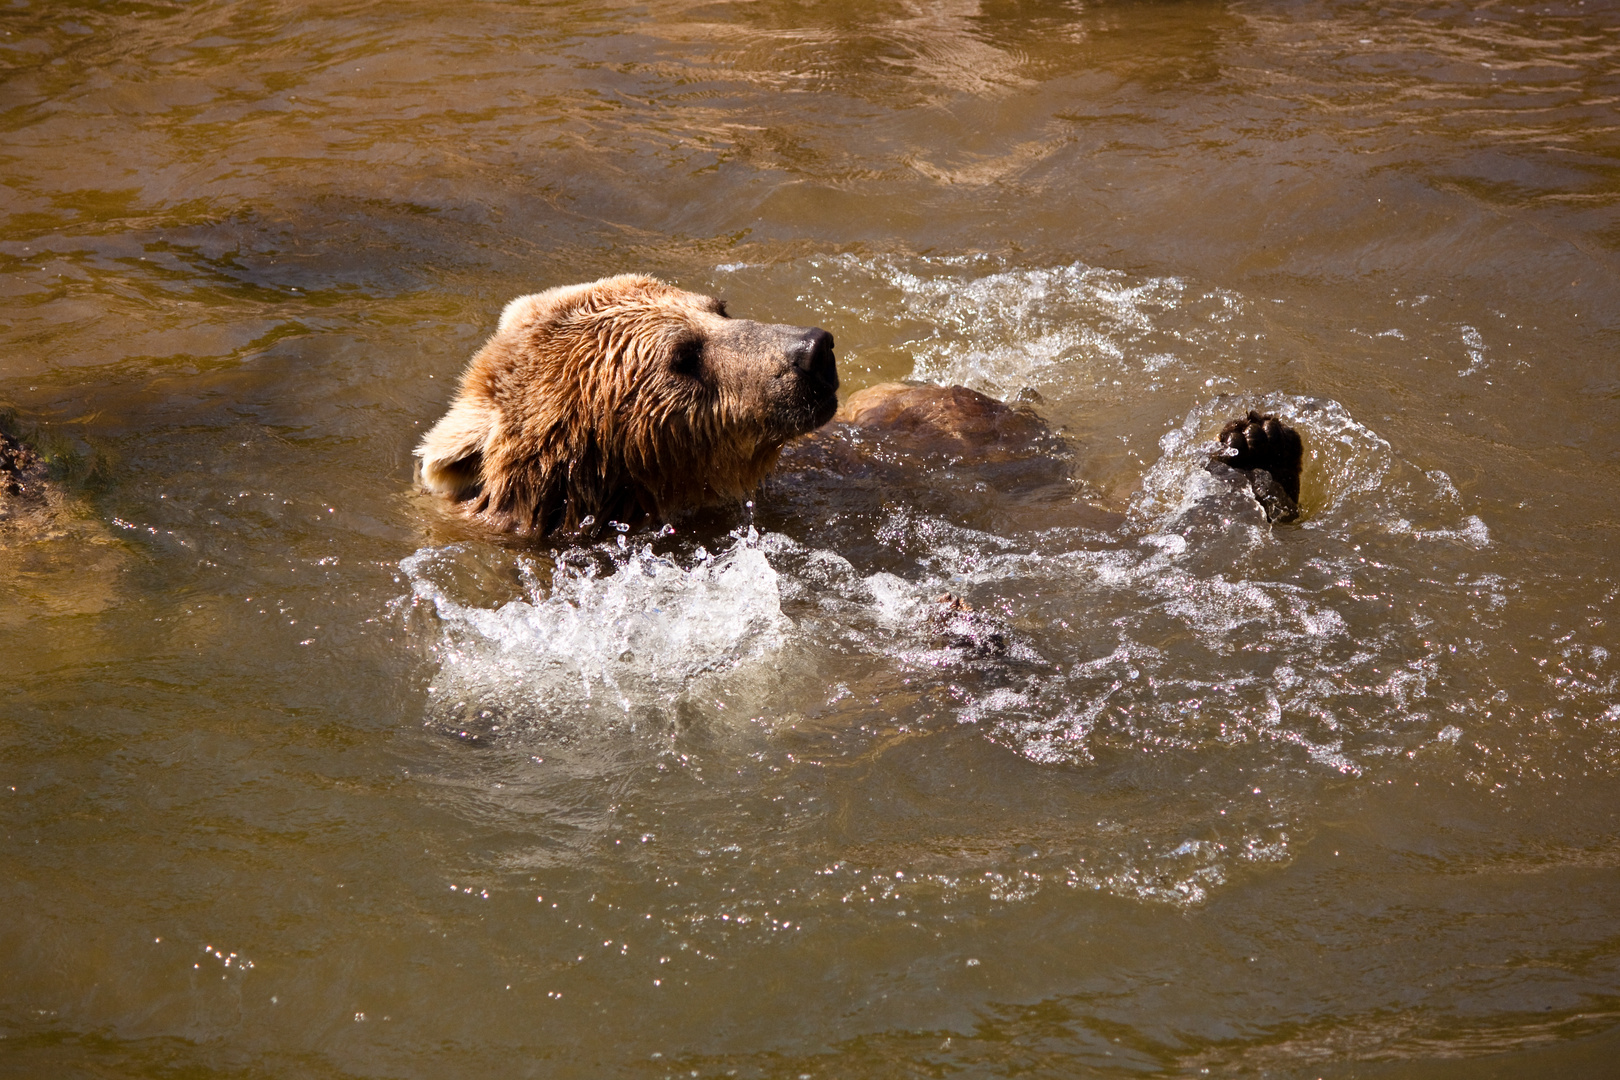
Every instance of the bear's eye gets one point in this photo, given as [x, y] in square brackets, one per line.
[687, 357]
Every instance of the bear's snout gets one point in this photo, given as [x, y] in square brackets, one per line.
[812, 354]
[810, 360]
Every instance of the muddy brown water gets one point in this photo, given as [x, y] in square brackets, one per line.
[299, 778]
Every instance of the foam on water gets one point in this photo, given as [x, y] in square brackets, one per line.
[1070, 331]
[1031, 327]
[1221, 636]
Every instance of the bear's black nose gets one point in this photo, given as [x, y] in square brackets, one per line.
[812, 354]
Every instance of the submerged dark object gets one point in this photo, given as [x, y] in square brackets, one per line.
[27, 495]
[1267, 454]
[957, 624]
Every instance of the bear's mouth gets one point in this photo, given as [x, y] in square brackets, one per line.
[817, 403]
[825, 409]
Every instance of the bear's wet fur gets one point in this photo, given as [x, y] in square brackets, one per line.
[946, 420]
[906, 430]
[627, 400]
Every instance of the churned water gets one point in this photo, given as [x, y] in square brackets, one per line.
[299, 776]
[1299, 659]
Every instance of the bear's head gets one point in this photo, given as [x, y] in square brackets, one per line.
[621, 400]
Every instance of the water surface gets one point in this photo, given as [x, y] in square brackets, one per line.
[299, 777]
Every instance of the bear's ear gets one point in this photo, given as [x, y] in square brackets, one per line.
[453, 452]
[540, 307]
[554, 304]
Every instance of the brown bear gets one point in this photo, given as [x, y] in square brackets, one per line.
[624, 399]
[628, 400]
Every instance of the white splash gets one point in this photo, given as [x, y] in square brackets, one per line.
[593, 647]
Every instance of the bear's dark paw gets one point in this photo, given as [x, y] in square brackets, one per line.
[1270, 454]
